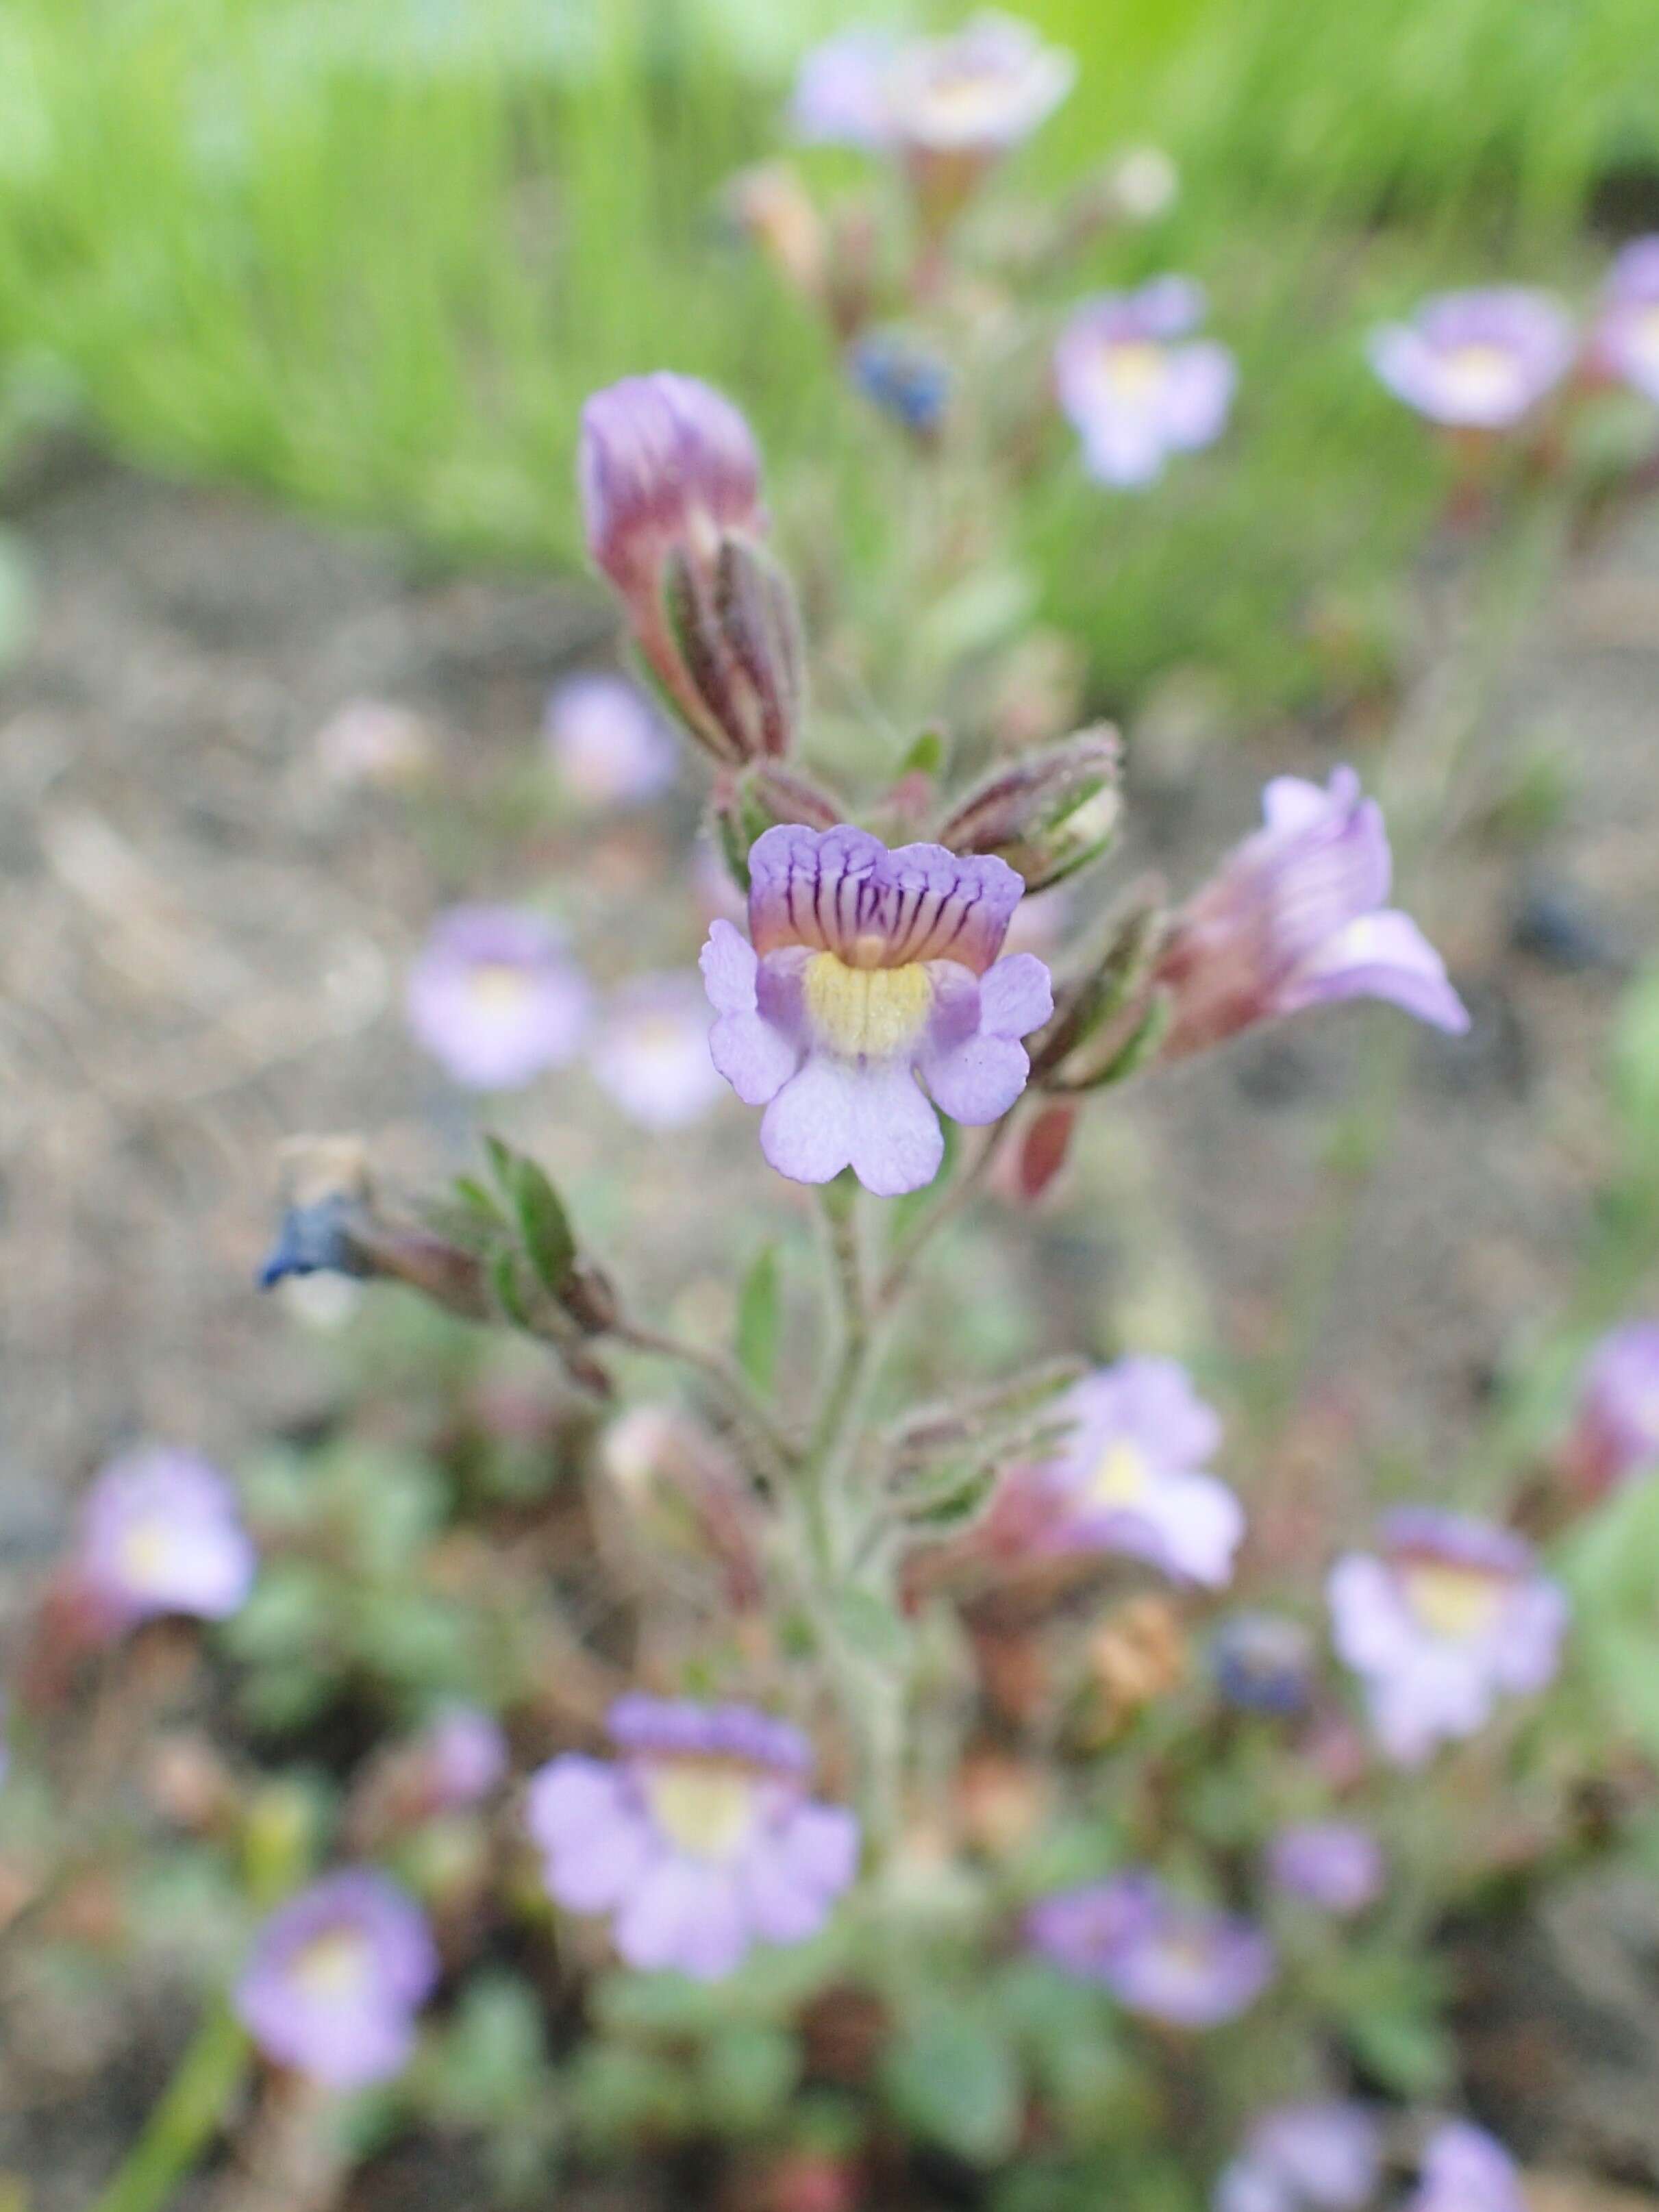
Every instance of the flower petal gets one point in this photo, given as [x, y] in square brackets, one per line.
[897, 1145]
[685, 1915]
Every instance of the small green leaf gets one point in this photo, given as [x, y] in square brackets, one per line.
[747, 2074]
[478, 1200]
[543, 1223]
[925, 757]
[956, 2080]
[508, 1291]
[760, 1319]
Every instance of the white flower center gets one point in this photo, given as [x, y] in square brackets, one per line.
[1457, 1603]
[1121, 1476]
[1480, 375]
[705, 1808]
[332, 1966]
[866, 1012]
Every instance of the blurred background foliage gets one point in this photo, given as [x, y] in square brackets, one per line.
[372, 253]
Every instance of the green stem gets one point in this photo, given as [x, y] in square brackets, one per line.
[728, 1383]
[182, 2125]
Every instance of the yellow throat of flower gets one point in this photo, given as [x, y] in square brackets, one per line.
[499, 987]
[866, 1012]
[332, 1965]
[705, 1808]
[146, 1551]
[1133, 369]
[1120, 1475]
[1454, 1602]
[1479, 374]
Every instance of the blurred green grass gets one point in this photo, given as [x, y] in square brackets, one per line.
[372, 253]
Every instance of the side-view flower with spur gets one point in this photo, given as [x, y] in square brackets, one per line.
[1297, 918]
[1137, 386]
[700, 1839]
[1480, 360]
[1624, 341]
[1130, 1478]
[1615, 1424]
[1188, 1964]
[867, 974]
[1448, 1616]
[336, 1978]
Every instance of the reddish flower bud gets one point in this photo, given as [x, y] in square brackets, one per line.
[1047, 814]
[670, 480]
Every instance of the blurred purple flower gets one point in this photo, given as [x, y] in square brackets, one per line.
[868, 970]
[700, 1839]
[1624, 341]
[1130, 1477]
[969, 97]
[160, 1533]
[650, 1053]
[1135, 395]
[1466, 2170]
[1188, 1964]
[1334, 1864]
[496, 997]
[1327, 2155]
[1263, 1662]
[1477, 361]
[607, 742]
[336, 1978]
[1295, 918]
[465, 1757]
[1452, 1612]
[1615, 1425]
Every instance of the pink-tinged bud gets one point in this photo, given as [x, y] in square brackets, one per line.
[670, 480]
[1047, 814]
[745, 806]
[770, 206]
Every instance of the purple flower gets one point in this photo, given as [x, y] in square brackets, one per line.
[870, 972]
[1263, 1662]
[1295, 918]
[1333, 1864]
[1615, 1428]
[1466, 2170]
[464, 1756]
[1131, 1477]
[700, 1840]
[1188, 1964]
[160, 1533]
[1134, 394]
[969, 97]
[1476, 361]
[496, 997]
[336, 1978]
[1451, 1614]
[1327, 2155]
[650, 1053]
[608, 743]
[1625, 340]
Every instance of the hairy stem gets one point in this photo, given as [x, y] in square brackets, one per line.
[776, 1451]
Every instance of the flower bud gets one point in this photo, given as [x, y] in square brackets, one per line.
[770, 206]
[1047, 814]
[670, 480]
[746, 805]
[331, 1223]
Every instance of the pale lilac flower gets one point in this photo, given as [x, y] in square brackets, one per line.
[650, 1052]
[1131, 1476]
[607, 742]
[1625, 339]
[965, 99]
[336, 1978]
[496, 997]
[1264, 1663]
[1190, 1965]
[464, 1758]
[1295, 918]
[160, 1533]
[870, 972]
[1615, 1426]
[1451, 1614]
[1136, 385]
[700, 1840]
[1334, 1864]
[1477, 361]
[1466, 2170]
[1327, 2155]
